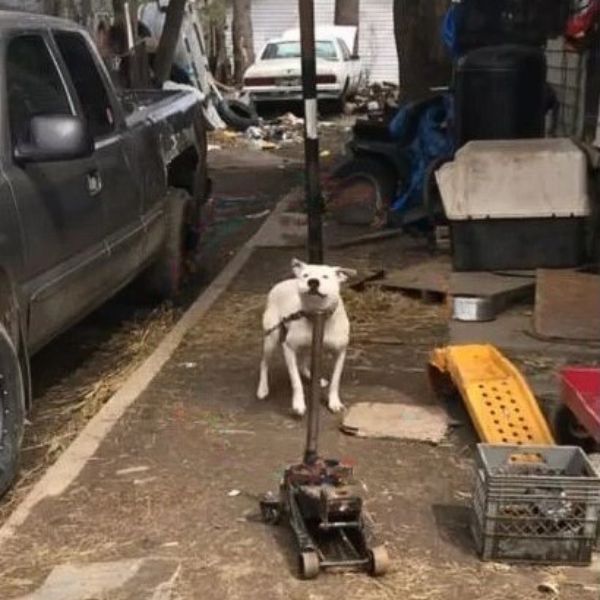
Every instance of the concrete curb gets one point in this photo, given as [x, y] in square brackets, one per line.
[72, 461]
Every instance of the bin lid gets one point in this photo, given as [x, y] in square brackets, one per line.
[515, 179]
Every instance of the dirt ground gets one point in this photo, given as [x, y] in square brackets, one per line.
[177, 482]
[175, 486]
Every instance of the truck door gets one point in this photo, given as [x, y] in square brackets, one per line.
[61, 213]
[120, 190]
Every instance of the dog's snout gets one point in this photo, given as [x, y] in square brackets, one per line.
[313, 284]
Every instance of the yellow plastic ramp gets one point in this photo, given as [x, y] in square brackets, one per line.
[500, 403]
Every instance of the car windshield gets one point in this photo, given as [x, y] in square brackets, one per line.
[325, 50]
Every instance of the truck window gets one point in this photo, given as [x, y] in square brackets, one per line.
[34, 85]
[87, 82]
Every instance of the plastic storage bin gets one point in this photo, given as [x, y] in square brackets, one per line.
[535, 504]
[516, 204]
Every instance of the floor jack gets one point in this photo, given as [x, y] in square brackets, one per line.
[320, 499]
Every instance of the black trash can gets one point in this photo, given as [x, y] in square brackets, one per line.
[500, 93]
[491, 22]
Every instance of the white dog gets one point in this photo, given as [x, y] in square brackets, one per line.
[315, 288]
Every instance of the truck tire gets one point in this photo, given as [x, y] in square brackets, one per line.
[164, 279]
[12, 411]
[237, 114]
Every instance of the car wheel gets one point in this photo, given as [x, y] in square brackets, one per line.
[237, 114]
[164, 279]
[12, 411]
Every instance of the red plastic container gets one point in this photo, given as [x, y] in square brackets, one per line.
[581, 394]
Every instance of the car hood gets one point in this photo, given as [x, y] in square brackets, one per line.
[287, 67]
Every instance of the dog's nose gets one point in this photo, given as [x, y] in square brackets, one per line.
[313, 284]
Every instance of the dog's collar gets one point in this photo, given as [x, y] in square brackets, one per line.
[301, 314]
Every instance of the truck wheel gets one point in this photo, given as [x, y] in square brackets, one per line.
[165, 277]
[12, 411]
[237, 114]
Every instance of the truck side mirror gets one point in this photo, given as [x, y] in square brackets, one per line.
[55, 138]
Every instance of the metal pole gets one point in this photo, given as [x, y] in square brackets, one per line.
[311, 134]
[312, 435]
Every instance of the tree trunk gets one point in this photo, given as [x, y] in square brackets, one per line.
[242, 37]
[347, 12]
[169, 40]
[422, 59]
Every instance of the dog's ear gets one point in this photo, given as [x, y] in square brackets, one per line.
[344, 274]
[297, 267]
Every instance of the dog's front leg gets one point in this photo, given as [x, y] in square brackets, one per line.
[334, 403]
[291, 360]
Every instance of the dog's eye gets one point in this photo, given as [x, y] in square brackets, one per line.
[305, 275]
[325, 276]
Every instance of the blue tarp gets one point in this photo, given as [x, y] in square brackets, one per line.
[432, 140]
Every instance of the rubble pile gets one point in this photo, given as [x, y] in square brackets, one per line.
[374, 99]
[286, 129]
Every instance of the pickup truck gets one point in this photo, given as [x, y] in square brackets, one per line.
[98, 187]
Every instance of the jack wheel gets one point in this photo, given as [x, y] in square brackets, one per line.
[308, 564]
[379, 561]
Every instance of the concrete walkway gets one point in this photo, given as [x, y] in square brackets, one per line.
[158, 500]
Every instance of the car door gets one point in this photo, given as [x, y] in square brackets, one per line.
[350, 66]
[62, 216]
[119, 188]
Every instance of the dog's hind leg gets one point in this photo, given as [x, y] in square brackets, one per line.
[334, 403]
[305, 370]
[269, 346]
[298, 403]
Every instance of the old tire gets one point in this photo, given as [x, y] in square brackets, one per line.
[12, 411]
[379, 561]
[364, 189]
[237, 114]
[570, 432]
[308, 564]
[164, 279]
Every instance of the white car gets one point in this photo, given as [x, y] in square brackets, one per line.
[277, 74]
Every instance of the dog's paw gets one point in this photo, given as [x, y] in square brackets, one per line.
[335, 405]
[298, 407]
[262, 392]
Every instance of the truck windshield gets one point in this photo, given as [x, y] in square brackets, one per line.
[323, 49]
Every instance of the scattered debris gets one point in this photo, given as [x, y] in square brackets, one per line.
[395, 417]
[549, 587]
[234, 493]
[377, 98]
[131, 470]
[567, 305]
[283, 130]
[189, 365]
[144, 481]
[95, 580]
[368, 237]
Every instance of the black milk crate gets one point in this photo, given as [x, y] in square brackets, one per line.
[535, 504]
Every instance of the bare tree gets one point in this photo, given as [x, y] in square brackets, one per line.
[242, 37]
[169, 40]
[347, 12]
[422, 59]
